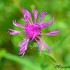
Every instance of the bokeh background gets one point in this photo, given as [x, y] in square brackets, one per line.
[32, 60]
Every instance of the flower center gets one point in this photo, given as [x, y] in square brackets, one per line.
[32, 30]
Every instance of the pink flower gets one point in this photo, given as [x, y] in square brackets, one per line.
[32, 30]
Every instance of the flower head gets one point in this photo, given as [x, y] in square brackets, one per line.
[32, 30]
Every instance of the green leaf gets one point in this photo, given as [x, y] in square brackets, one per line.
[23, 61]
[48, 55]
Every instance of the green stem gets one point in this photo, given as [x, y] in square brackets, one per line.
[22, 61]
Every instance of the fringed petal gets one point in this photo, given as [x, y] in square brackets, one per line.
[42, 14]
[35, 15]
[27, 16]
[17, 25]
[23, 47]
[42, 45]
[47, 24]
[13, 32]
[53, 33]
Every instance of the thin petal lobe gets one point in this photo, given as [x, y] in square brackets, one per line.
[23, 47]
[47, 24]
[13, 32]
[42, 14]
[17, 25]
[35, 15]
[42, 45]
[27, 15]
[53, 33]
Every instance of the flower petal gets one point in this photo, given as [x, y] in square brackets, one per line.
[17, 25]
[14, 32]
[23, 47]
[53, 33]
[35, 15]
[47, 24]
[27, 15]
[42, 45]
[42, 14]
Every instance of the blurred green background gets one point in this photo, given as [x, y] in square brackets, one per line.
[32, 60]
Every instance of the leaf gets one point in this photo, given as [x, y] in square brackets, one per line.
[48, 55]
[23, 61]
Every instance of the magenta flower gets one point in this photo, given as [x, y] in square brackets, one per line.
[32, 31]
